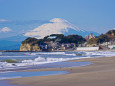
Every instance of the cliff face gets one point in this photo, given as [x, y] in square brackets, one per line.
[29, 47]
[30, 44]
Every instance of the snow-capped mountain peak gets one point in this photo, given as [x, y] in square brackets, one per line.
[58, 20]
[65, 22]
[55, 26]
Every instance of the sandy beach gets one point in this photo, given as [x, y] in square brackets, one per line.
[100, 73]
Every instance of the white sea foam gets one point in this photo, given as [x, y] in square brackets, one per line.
[52, 53]
[12, 56]
[101, 53]
[36, 61]
[46, 53]
[44, 60]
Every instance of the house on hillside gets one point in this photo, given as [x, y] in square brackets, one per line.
[67, 46]
[90, 36]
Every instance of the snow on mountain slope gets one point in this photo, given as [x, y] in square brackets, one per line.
[56, 26]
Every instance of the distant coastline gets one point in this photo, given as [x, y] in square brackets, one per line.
[9, 50]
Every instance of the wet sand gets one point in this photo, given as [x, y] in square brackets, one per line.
[100, 73]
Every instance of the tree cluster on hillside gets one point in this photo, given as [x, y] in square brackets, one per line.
[56, 38]
[73, 39]
[109, 36]
[111, 33]
[30, 40]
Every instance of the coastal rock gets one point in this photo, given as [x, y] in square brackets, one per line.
[29, 47]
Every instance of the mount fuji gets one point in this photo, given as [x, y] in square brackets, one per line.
[57, 26]
[54, 26]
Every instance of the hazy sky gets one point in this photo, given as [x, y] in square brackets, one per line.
[94, 15]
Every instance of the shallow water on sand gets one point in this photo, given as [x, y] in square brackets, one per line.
[6, 83]
[9, 75]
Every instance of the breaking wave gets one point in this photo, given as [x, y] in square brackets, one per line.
[44, 60]
[51, 53]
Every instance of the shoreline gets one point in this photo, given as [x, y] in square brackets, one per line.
[53, 51]
[101, 73]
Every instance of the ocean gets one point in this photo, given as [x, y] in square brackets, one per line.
[34, 59]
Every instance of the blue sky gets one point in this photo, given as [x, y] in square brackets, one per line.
[93, 15]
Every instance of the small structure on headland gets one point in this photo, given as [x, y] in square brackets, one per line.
[90, 36]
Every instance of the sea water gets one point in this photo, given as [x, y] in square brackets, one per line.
[43, 59]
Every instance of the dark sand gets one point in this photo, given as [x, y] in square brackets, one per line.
[101, 73]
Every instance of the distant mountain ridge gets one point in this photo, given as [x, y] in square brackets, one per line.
[17, 38]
